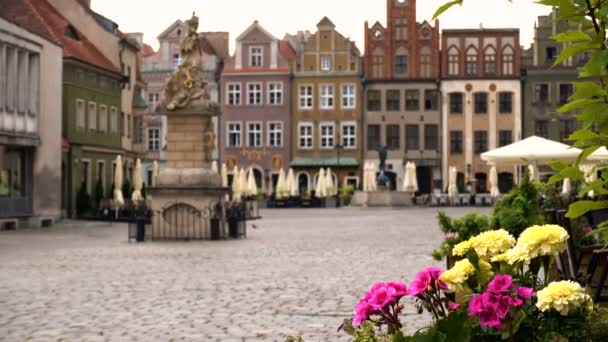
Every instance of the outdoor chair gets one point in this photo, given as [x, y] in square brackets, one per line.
[443, 200]
[434, 200]
[465, 199]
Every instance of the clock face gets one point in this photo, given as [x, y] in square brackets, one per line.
[401, 2]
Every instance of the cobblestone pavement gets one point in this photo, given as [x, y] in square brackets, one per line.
[299, 273]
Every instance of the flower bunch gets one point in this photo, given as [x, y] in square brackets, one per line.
[381, 300]
[563, 296]
[498, 305]
[456, 277]
[547, 240]
[487, 244]
[427, 287]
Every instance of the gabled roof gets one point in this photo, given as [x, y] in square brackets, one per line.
[253, 26]
[326, 22]
[377, 26]
[41, 18]
[147, 50]
[286, 50]
[177, 23]
[219, 42]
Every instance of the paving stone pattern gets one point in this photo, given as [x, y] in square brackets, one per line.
[299, 273]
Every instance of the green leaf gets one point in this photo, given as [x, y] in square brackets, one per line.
[587, 89]
[573, 50]
[446, 7]
[580, 208]
[571, 36]
[556, 178]
[577, 104]
[398, 337]
[586, 153]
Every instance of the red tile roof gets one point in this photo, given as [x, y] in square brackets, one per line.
[147, 50]
[41, 18]
[287, 51]
[254, 70]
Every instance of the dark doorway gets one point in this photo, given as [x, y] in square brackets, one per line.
[230, 179]
[424, 175]
[303, 181]
[258, 178]
[460, 182]
[392, 180]
[505, 182]
[481, 183]
[275, 180]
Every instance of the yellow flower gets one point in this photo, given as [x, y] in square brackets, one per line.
[487, 244]
[456, 276]
[485, 271]
[563, 296]
[538, 241]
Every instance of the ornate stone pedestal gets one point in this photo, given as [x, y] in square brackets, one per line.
[382, 199]
[188, 199]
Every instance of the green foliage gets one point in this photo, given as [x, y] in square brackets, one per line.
[99, 193]
[519, 209]
[83, 200]
[294, 339]
[346, 192]
[458, 230]
[367, 332]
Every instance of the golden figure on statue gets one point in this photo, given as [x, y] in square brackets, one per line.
[186, 86]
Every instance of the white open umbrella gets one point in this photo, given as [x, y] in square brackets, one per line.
[532, 150]
[236, 188]
[214, 167]
[320, 188]
[252, 189]
[494, 191]
[137, 182]
[293, 184]
[119, 200]
[452, 179]
[154, 172]
[566, 187]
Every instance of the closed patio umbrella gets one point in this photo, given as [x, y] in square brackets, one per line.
[224, 176]
[214, 167]
[372, 177]
[413, 177]
[293, 184]
[330, 186]
[566, 187]
[320, 188]
[137, 182]
[118, 199]
[367, 186]
[407, 186]
[252, 189]
[281, 190]
[154, 172]
[494, 190]
[236, 188]
[452, 179]
[243, 182]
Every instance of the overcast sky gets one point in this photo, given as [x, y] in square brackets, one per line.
[280, 16]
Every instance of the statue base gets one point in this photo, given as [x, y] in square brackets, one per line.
[382, 199]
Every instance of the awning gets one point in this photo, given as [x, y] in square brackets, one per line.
[324, 162]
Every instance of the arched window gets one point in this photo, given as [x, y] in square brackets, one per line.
[453, 61]
[471, 62]
[425, 62]
[489, 61]
[401, 62]
[304, 183]
[507, 60]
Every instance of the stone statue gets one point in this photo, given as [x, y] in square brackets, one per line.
[186, 86]
[382, 157]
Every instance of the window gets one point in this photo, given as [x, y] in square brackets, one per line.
[566, 128]
[234, 94]
[92, 116]
[349, 135]
[254, 94]
[471, 62]
[176, 60]
[305, 135]
[255, 56]
[80, 114]
[153, 139]
[327, 135]
[393, 100]
[425, 62]
[86, 175]
[103, 118]
[453, 62]
[412, 137]
[327, 96]
[401, 65]
[377, 63]
[275, 93]
[431, 137]
[373, 137]
[505, 137]
[505, 102]
[400, 29]
[541, 128]
[489, 62]
[541, 93]
[254, 134]
[234, 134]
[456, 103]
[393, 137]
[325, 63]
[456, 142]
[128, 126]
[481, 103]
[565, 91]
[348, 96]
[374, 98]
[122, 123]
[431, 99]
[412, 100]
[275, 134]
[113, 120]
[137, 129]
[306, 97]
[480, 139]
[101, 172]
[551, 53]
[507, 61]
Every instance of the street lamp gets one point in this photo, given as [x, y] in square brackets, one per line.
[338, 148]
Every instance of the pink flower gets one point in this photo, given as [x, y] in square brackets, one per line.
[515, 302]
[500, 283]
[382, 296]
[362, 312]
[475, 305]
[489, 319]
[400, 288]
[452, 306]
[587, 229]
[425, 280]
[524, 292]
